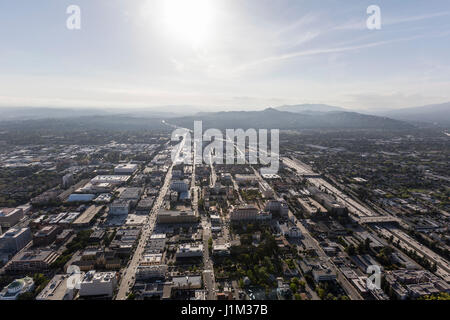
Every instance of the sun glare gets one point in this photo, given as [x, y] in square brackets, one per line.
[189, 20]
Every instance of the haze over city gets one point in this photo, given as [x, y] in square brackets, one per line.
[169, 154]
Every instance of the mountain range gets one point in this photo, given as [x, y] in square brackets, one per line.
[288, 117]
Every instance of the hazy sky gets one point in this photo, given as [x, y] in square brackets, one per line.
[224, 53]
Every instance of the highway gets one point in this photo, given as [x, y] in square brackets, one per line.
[407, 242]
[354, 207]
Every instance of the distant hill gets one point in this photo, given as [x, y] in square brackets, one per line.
[107, 122]
[274, 119]
[435, 113]
[299, 108]
[35, 113]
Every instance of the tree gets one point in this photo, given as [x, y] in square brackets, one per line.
[293, 287]
[350, 250]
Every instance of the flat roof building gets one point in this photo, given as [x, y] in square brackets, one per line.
[32, 261]
[57, 289]
[14, 240]
[10, 216]
[98, 284]
[127, 168]
[166, 216]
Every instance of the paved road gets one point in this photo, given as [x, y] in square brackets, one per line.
[128, 277]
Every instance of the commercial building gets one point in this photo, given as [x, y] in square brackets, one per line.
[120, 207]
[57, 290]
[67, 180]
[413, 284]
[151, 259]
[32, 261]
[324, 275]
[249, 213]
[46, 235]
[166, 217]
[189, 251]
[14, 240]
[243, 179]
[87, 217]
[266, 189]
[98, 284]
[16, 288]
[156, 243]
[179, 186]
[96, 188]
[145, 205]
[10, 216]
[187, 282]
[147, 272]
[328, 202]
[127, 169]
[221, 249]
[277, 207]
[112, 179]
[77, 197]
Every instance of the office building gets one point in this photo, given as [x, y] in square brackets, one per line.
[16, 288]
[10, 216]
[98, 284]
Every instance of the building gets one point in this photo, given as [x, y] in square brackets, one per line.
[57, 290]
[79, 197]
[151, 259]
[156, 243]
[189, 251]
[46, 235]
[324, 275]
[266, 189]
[64, 236]
[179, 186]
[217, 192]
[131, 194]
[215, 219]
[245, 179]
[277, 207]
[187, 282]
[10, 216]
[32, 261]
[167, 216]
[97, 188]
[289, 231]
[124, 240]
[120, 207]
[126, 169]
[98, 284]
[144, 206]
[328, 202]
[249, 213]
[14, 240]
[147, 272]
[221, 249]
[244, 213]
[87, 217]
[16, 288]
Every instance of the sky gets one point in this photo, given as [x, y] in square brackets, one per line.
[224, 54]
